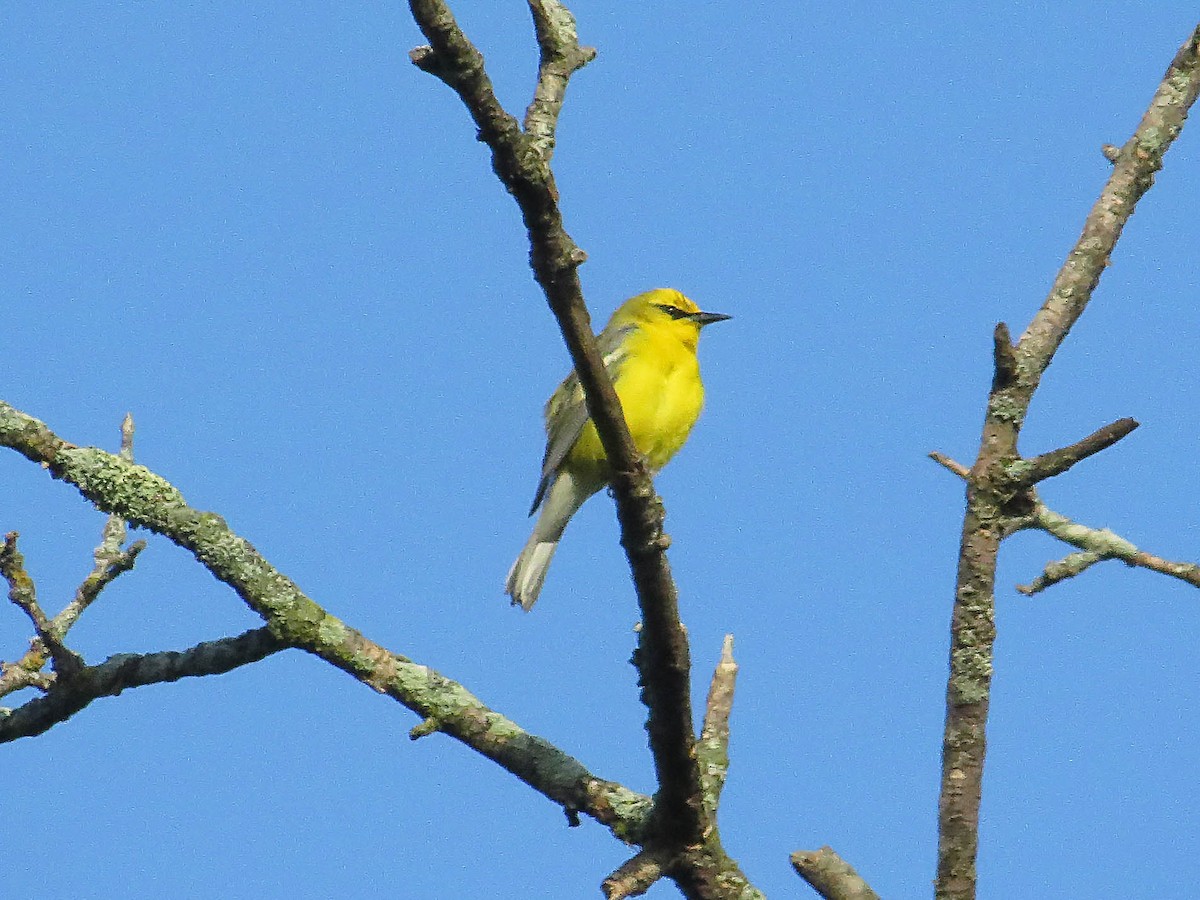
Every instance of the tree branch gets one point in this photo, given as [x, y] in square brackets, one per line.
[1004, 359]
[997, 479]
[110, 561]
[663, 655]
[21, 591]
[1047, 465]
[712, 750]
[945, 461]
[635, 876]
[560, 57]
[68, 696]
[146, 500]
[830, 875]
[1132, 175]
[1096, 545]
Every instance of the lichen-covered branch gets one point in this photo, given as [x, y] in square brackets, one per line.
[23, 593]
[144, 499]
[110, 560]
[635, 876]
[1097, 545]
[998, 484]
[520, 161]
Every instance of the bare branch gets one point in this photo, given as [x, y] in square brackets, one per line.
[663, 656]
[560, 57]
[634, 877]
[26, 672]
[956, 467]
[110, 561]
[1068, 567]
[1132, 175]
[109, 566]
[66, 697]
[1095, 544]
[1004, 359]
[1047, 465]
[713, 746]
[990, 515]
[831, 876]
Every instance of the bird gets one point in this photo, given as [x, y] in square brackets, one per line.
[649, 352]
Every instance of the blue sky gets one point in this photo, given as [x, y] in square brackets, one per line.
[266, 234]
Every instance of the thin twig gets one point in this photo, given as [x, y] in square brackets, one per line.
[22, 592]
[1097, 545]
[110, 560]
[108, 569]
[1132, 175]
[956, 467]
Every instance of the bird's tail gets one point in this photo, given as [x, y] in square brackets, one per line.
[528, 572]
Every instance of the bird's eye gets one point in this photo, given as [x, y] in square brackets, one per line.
[673, 311]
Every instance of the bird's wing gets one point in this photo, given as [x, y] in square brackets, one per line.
[566, 410]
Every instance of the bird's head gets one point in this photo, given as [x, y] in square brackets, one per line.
[668, 311]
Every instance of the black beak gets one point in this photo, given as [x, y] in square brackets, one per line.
[706, 318]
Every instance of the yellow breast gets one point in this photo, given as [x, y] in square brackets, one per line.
[662, 395]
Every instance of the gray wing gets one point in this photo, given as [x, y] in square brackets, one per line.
[566, 410]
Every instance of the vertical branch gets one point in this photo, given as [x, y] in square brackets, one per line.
[997, 485]
[559, 57]
[521, 162]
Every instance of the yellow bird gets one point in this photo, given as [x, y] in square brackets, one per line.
[649, 350]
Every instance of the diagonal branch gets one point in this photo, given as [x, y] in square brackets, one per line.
[21, 591]
[995, 477]
[635, 876]
[1095, 544]
[110, 560]
[1047, 465]
[1132, 175]
[663, 656]
[830, 875]
[148, 501]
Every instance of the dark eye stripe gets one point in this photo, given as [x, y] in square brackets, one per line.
[673, 311]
